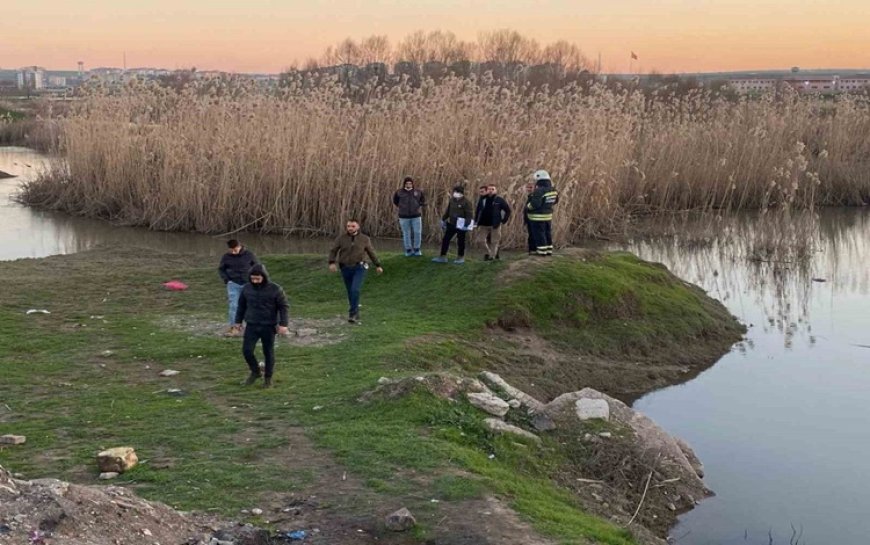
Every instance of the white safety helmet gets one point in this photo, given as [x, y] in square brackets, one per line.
[541, 175]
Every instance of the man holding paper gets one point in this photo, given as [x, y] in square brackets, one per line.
[456, 221]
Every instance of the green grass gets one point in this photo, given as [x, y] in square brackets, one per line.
[71, 401]
[618, 306]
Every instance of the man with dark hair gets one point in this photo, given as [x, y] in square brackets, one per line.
[492, 212]
[456, 222]
[264, 308]
[540, 212]
[410, 202]
[234, 267]
[349, 254]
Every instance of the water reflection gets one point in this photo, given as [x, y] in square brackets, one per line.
[780, 422]
[771, 263]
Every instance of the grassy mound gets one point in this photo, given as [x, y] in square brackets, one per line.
[618, 306]
[85, 377]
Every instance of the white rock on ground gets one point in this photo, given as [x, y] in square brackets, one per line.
[495, 381]
[12, 439]
[490, 403]
[500, 426]
[107, 475]
[169, 373]
[589, 408]
[117, 460]
[400, 521]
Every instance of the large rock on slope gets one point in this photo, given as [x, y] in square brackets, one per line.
[676, 458]
[117, 460]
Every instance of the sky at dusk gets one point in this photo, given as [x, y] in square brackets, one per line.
[267, 35]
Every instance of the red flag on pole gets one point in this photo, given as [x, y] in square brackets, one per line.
[634, 55]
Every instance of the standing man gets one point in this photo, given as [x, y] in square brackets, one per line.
[540, 212]
[410, 202]
[456, 221]
[349, 254]
[264, 308]
[234, 268]
[492, 212]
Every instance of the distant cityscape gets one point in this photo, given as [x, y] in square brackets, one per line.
[38, 80]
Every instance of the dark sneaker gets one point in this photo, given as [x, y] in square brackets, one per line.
[267, 382]
[417, 252]
[351, 318]
[252, 378]
[487, 257]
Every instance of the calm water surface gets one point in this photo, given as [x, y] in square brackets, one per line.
[781, 422]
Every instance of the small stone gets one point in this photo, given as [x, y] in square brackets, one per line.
[107, 353]
[12, 439]
[146, 532]
[107, 475]
[490, 403]
[543, 422]
[588, 408]
[515, 403]
[672, 507]
[117, 460]
[400, 521]
[384, 380]
[256, 512]
[306, 332]
[500, 426]
[605, 435]
[317, 408]
[169, 373]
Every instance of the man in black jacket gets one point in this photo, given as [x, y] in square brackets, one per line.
[264, 308]
[234, 268]
[492, 212]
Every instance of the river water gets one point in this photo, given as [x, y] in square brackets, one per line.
[781, 422]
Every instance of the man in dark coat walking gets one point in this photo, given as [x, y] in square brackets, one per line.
[264, 308]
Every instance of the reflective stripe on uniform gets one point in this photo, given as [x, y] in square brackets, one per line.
[540, 217]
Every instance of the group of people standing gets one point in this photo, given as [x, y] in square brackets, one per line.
[262, 304]
[492, 211]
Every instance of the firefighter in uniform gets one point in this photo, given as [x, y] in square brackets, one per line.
[539, 212]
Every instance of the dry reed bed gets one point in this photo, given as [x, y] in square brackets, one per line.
[224, 158]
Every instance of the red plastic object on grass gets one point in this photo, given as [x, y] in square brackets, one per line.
[175, 285]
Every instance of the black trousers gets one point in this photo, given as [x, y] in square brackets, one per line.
[449, 233]
[531, 239]
[542, 237]
[266, 334]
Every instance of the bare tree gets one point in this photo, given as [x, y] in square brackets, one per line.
[566, 55]
[345, 52]
[508, 46]
[375, 49]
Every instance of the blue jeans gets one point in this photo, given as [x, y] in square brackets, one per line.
[412, 232]
[353, 281]
[233, 292]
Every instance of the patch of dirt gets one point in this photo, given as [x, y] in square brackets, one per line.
[544, 370]
[303, 331]
[52, 511]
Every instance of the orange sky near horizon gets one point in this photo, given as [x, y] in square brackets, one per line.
[268, 35]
